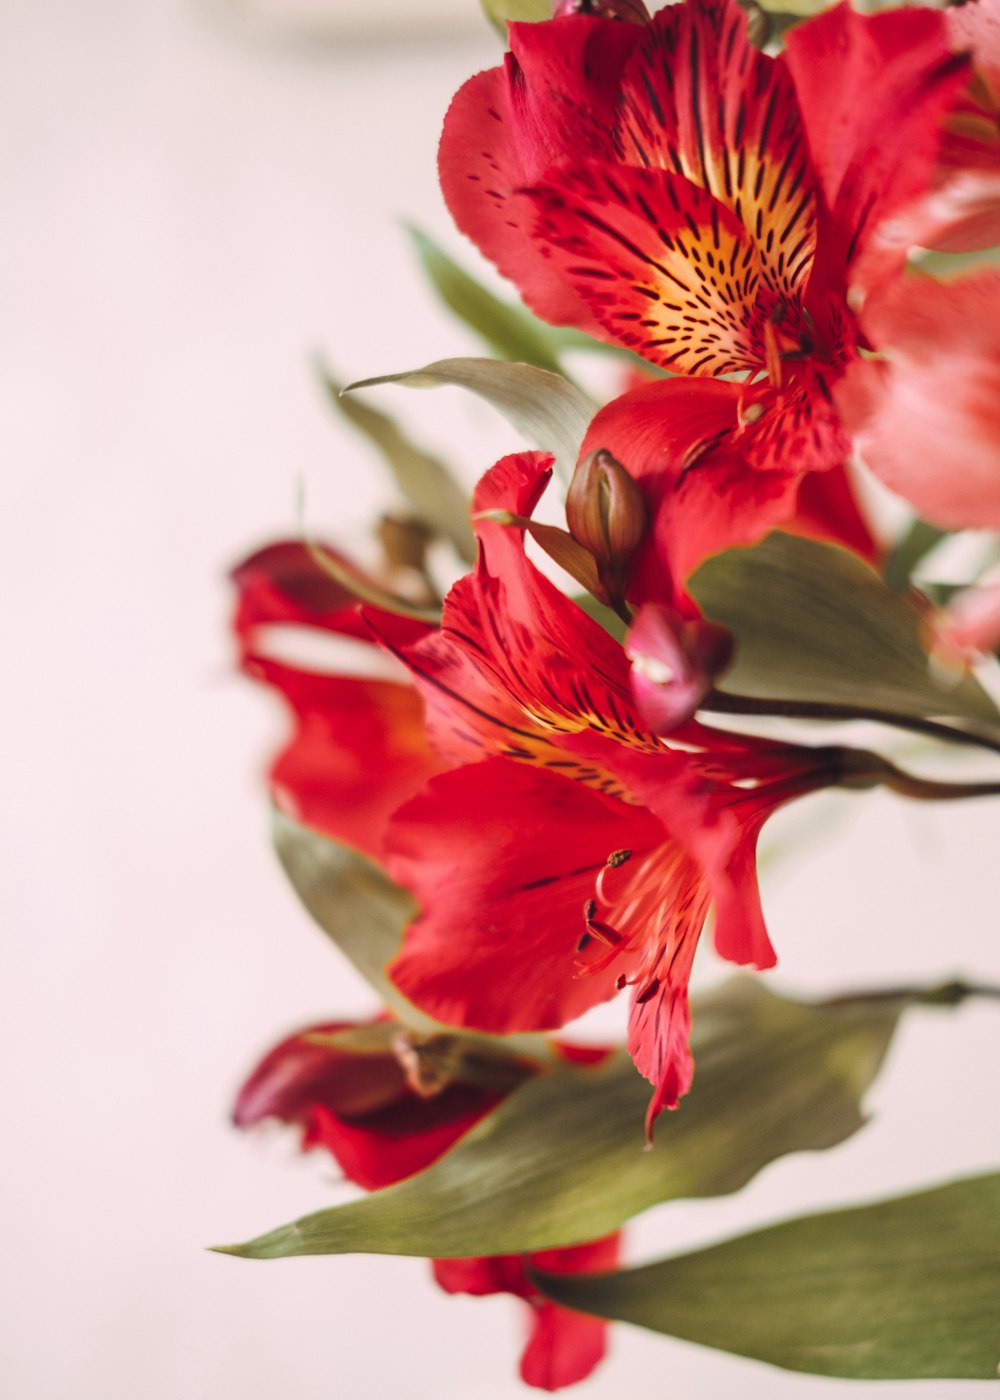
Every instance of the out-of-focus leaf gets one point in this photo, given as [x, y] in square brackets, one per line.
[354, 903]
[366, 589]
[562, 1159]
[908, 1289]
[814, 623]
[916, 543]
[364, 913]
[508, 330]
[498, 12]
[422, 478]
[549, 411]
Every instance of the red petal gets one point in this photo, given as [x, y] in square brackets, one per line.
[506, 125]
[699, 99]
[563, 1346]
[283, 583]
[928, 421]
[502, 858]
[680, 439]
[858, 78]
[666, 269]
[386, 1147]
[358, 1107]
[358, 752]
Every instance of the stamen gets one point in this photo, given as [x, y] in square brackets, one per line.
[585, 939]
[772, 354]
[604, 933]
[617, 858]
[590, 909]
[648, 992]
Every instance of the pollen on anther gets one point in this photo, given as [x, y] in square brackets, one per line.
[617, 858]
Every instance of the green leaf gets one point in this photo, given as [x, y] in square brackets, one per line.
[562, 1159]
[915, 544]
[907, 1289]
[508, 330]
[814, 623]
[423, 479]
[498, 12]
[548, 410]
[355, 905]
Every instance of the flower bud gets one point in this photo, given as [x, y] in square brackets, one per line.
[628, 11]
[606, 514]
[674, 663]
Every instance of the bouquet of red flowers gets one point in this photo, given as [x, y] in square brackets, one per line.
[528, 793]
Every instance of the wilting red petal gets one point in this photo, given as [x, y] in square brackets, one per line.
[358, 1106]
[552, 98]
[927, 421]
[858, 78]
[358, 751]
[666, 269]
[405, 1138]
[563, 1346]
[700, 100]
[282, 583]
[495, 946]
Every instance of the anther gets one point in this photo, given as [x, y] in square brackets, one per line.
[617, 858]
[621, 982]
[590, 909]
[584, 940]
[604, 933]
[648, 992]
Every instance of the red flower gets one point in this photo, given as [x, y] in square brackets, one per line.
[347, 727]
[569, 852]
[679, 193]
[387, 1112]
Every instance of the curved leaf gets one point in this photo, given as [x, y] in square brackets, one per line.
[511, 332]
[814, 623]
[549, 411]
[422, 478]
[562, 1159]
[498, 12]
[906, 1289]
[354, 903]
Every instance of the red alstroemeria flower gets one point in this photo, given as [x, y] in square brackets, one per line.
[683, 195]
[569, 851]
[347, 727]
[363, 1108]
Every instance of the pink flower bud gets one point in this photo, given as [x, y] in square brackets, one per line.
[674, 663]
[628, 11]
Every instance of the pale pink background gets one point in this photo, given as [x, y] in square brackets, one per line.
[192, 207]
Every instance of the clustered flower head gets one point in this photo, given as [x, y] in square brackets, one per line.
[543, 774]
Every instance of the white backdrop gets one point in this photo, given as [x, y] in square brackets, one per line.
[192, 208]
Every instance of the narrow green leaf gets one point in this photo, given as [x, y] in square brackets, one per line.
[498, 12]
[549, 411]
[908, 1289]
[562, 1159]
[814, 623]
[355, 905]
[916, 543]
[422, 478]
[511, 332]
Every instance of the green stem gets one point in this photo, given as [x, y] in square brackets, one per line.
[724, 702]
[944, 994]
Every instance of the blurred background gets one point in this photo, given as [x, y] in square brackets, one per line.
[198, 199]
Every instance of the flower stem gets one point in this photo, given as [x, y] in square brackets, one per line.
[724, 702]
